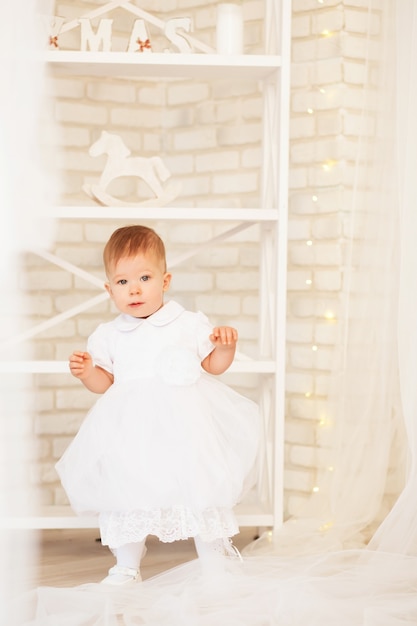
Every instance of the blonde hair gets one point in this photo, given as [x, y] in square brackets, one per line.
[130, 241]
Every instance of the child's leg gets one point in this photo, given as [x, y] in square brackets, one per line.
[130, 554]
[127, 566]
[212, 554]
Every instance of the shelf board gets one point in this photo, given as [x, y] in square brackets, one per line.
[61, 367]
[164, 213]
[158, 65]
[54, 517]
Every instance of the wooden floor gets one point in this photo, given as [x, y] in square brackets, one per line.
[74, 557]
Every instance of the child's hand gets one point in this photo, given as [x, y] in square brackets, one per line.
[224, 337]
[81, 364]
[224, 340]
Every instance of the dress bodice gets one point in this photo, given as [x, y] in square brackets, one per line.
[169, 344]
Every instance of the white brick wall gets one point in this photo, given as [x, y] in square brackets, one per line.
[211, 142]
[328, 71]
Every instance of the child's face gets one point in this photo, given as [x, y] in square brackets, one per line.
[137, 284]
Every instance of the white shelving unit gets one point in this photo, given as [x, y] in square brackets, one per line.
[272, 69]
[163, 65]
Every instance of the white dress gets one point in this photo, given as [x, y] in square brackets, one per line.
[168, 450]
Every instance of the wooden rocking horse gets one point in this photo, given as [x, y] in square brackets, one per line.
[119, 163]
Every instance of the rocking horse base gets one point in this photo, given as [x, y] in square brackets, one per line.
[99, 195]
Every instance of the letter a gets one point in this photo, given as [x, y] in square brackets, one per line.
[139, 39]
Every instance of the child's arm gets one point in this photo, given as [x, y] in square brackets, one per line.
[95, 378]
[224, 339]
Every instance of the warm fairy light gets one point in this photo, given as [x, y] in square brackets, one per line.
[310, 110]
[329, 315]
[316, 489]
[309, 242]
[314, 348]
[330, 468]
[328, 165]
[325, 422]
[326, 33]
[309, 281]
[307, 394]
[314, 198]
[326, 526]
[322, 90]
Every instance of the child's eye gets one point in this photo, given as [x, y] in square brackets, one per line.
[122, 281]
[145, 278]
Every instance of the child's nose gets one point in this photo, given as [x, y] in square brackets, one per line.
[135, 287]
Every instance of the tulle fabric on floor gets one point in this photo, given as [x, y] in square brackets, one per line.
[349, 588]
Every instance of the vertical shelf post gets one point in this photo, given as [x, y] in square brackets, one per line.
[274, 236]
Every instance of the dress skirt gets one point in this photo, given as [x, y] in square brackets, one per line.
[164, 459]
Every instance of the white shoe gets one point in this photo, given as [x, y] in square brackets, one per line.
[119, 575]
[231, 550]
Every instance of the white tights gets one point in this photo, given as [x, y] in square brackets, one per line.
[130, 554]
[210, 553]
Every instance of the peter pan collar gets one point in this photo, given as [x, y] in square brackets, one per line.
[165, 315]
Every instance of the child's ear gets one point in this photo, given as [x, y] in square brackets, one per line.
[108, 289]
[167, 281]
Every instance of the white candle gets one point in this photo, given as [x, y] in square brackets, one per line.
[229, 29]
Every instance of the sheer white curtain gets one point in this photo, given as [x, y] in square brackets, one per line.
[399, 530]
[23, 194]
[374, 395]
[373, 398]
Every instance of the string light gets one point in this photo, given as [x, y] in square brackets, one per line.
[329, 315]
[329, 164]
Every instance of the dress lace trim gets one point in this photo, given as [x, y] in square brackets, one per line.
[175, 523]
